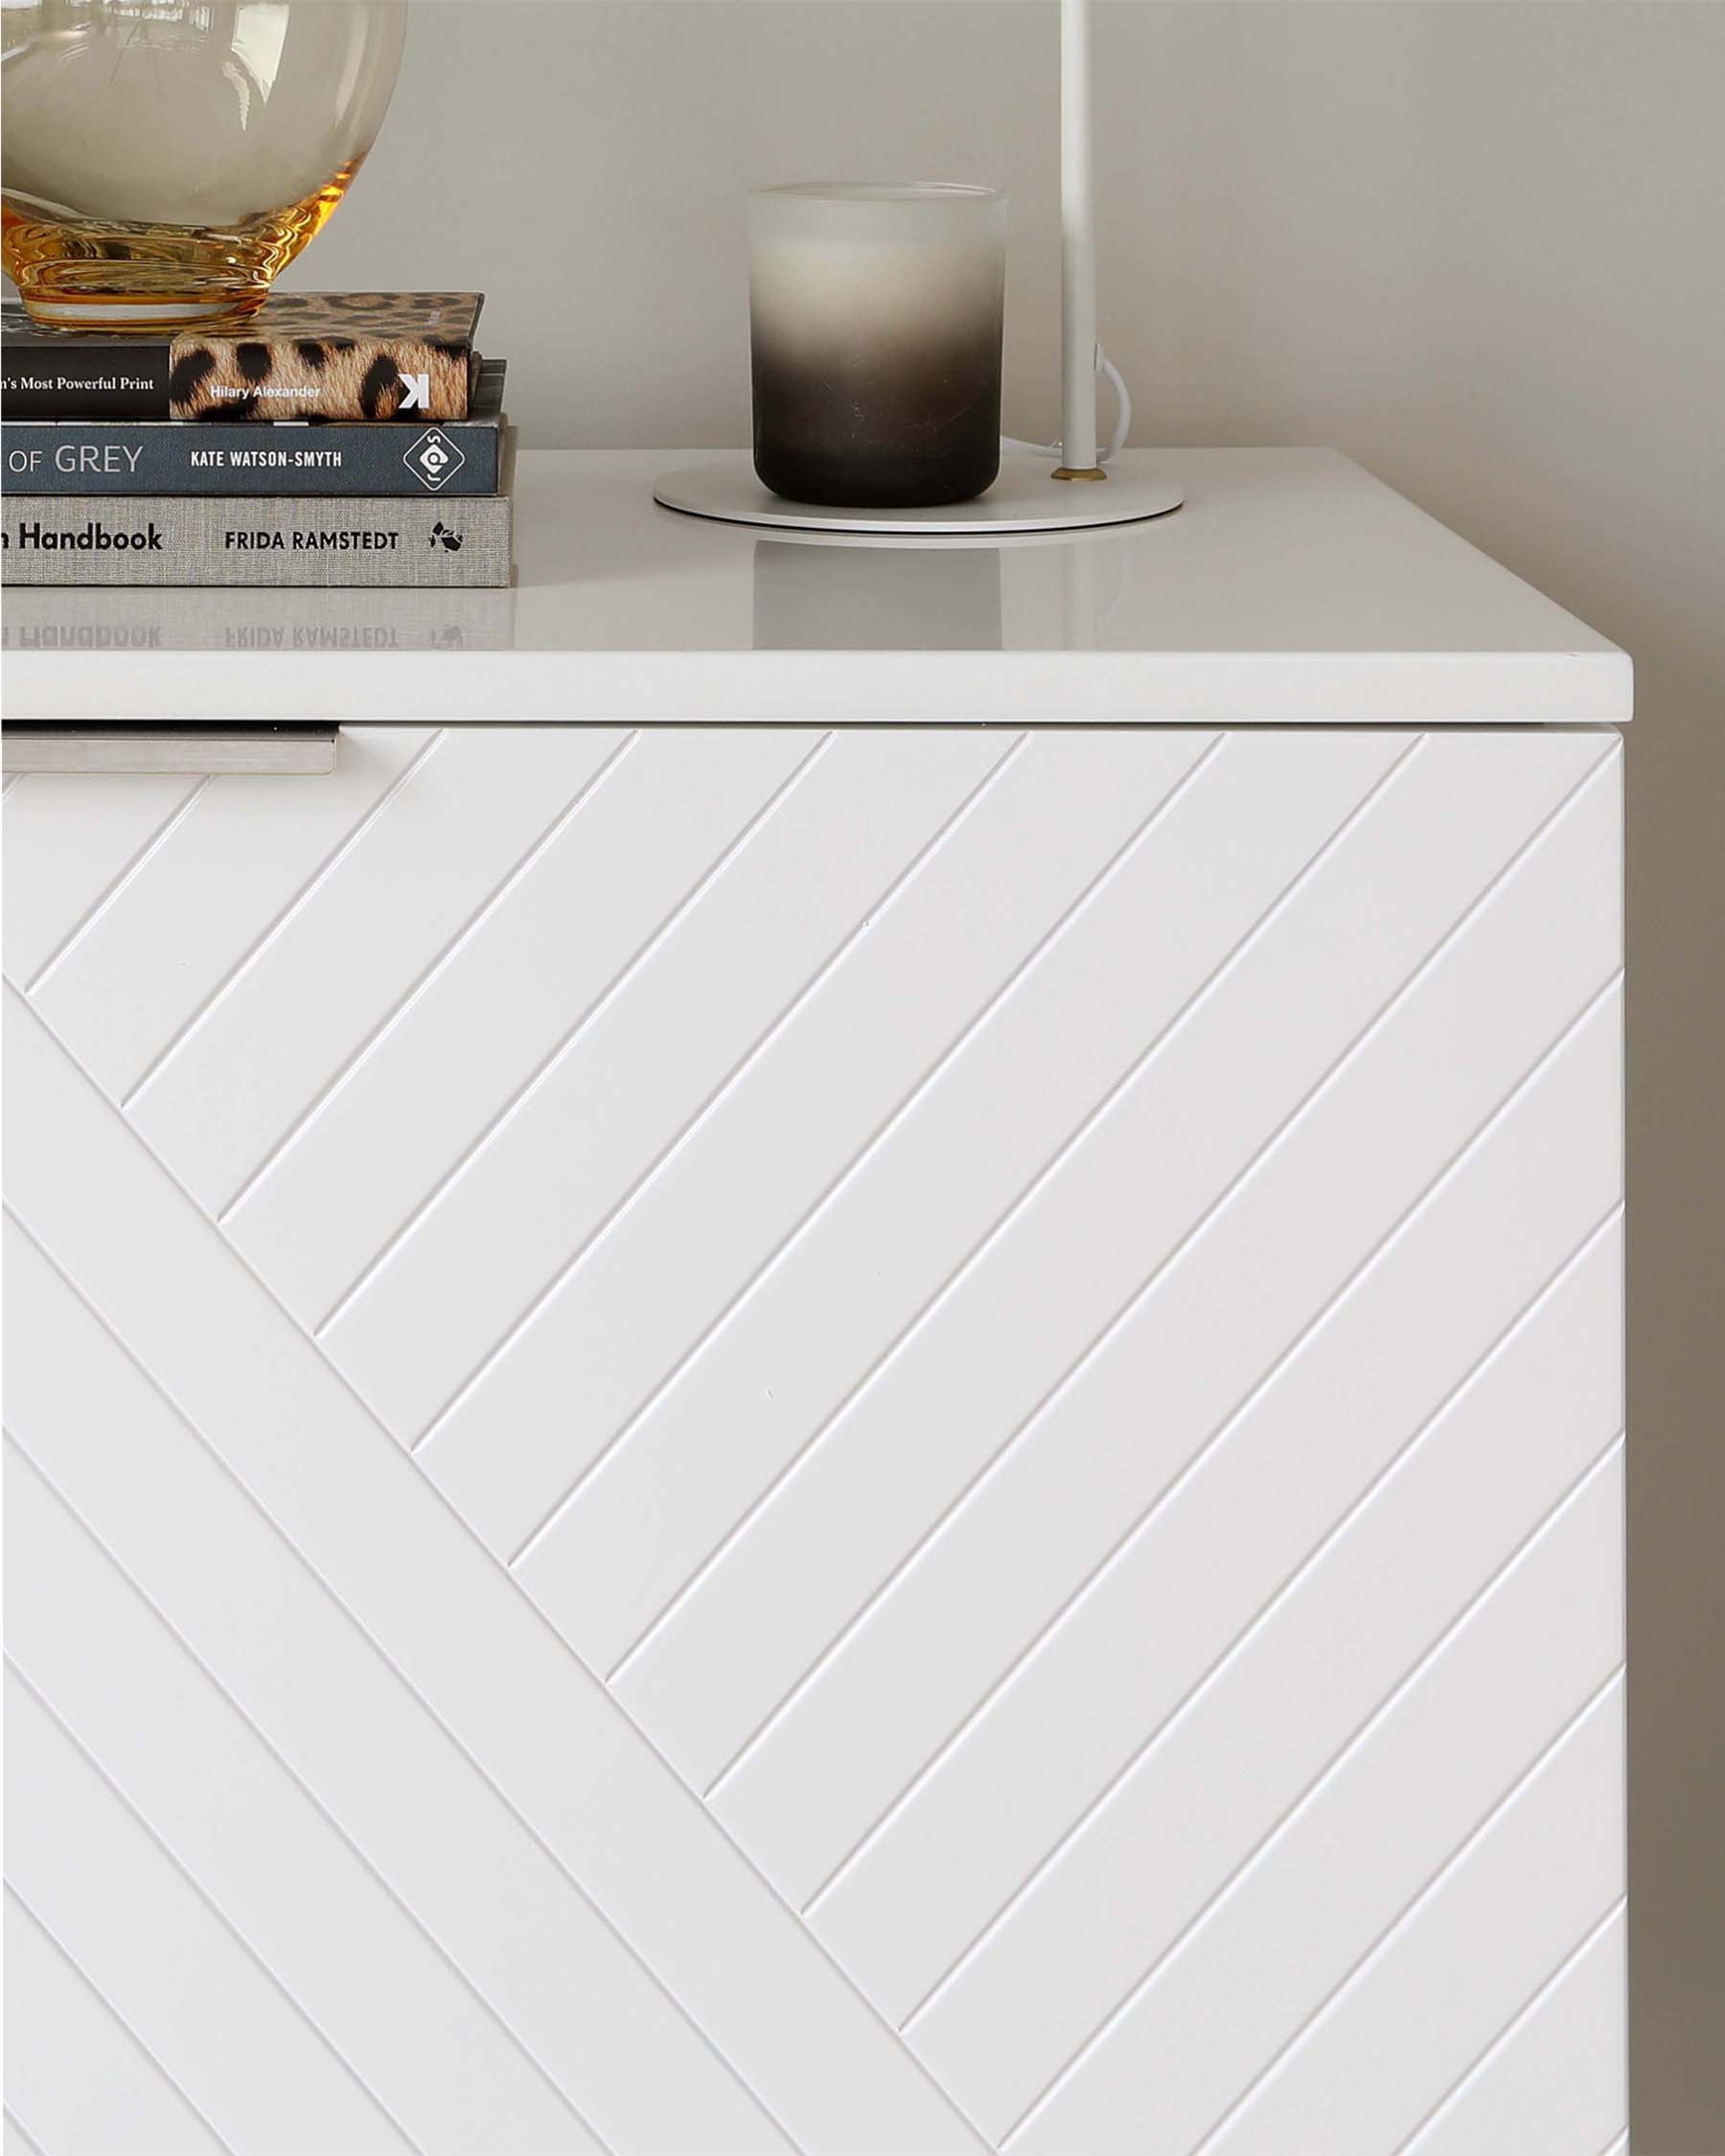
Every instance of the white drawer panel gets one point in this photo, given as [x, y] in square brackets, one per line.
[354, 942]
[985, 1118]
[647, 832]
[73, 848]
[1042, 1315]
[225, 2029]
[961, 1379]
[935, 947]
[558, 1175]
[74, 2070]
[1546, 2084]
[197, 909]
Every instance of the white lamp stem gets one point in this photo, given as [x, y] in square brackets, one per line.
[1078, 248]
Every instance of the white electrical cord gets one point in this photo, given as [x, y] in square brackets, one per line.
[1122, 425]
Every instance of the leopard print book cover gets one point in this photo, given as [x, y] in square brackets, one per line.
[331, 355]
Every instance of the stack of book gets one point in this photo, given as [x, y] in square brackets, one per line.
[334, 439]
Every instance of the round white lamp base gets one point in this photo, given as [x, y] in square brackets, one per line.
[1027, 498]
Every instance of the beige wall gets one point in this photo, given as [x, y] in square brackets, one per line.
[1482, 247]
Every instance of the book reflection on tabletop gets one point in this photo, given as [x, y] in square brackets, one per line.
[845, 596]
[201, 619]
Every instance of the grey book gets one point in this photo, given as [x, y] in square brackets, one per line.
[220, 540]
[324, 457]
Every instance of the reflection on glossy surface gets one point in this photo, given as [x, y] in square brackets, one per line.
[827, 592]
[142, 618]
[841, 597]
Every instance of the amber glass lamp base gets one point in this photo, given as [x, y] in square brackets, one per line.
[163, 160]
[119, 276]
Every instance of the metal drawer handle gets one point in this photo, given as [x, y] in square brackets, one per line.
[190, 751]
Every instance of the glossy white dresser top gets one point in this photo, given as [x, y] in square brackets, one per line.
[1292, 588]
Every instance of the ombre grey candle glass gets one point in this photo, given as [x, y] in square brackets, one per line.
[875, 315]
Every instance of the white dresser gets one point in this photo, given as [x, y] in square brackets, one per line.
[839, 1367]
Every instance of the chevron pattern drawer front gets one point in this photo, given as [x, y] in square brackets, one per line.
[885, 1442]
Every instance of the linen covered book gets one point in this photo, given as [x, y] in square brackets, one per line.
[258, 539]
